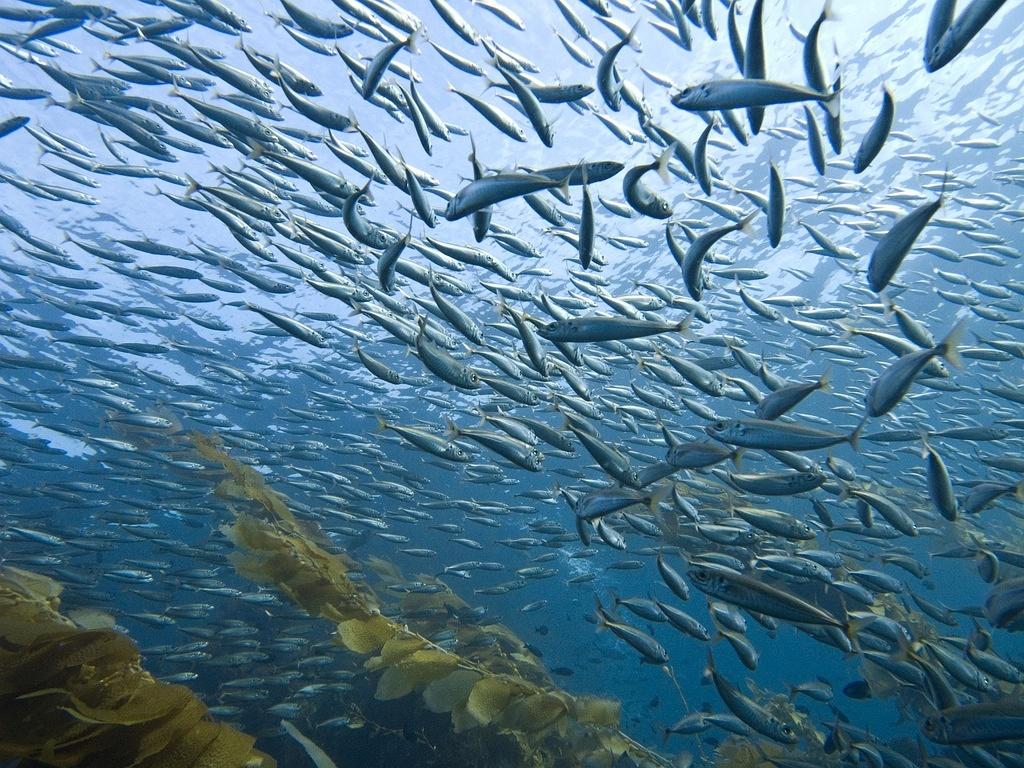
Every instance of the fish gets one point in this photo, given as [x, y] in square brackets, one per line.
[893, 247]
[593, 328]
[749, 93]
[947, 44]
[490, 190]
[779, 436]
[650, 650]
[749, 711]
[692, 263]
[382, 60]
[530, 104]
[985, 723]
[789, 396]
[608, 81]
[874, 139]
[639, 195]
[731, 586]
[892, 384]
[290, 325]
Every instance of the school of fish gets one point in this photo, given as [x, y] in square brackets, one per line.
[452, 300]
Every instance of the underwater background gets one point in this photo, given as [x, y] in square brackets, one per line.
[115, 355]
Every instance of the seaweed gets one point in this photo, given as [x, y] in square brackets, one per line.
[498, 689]
[78, 696]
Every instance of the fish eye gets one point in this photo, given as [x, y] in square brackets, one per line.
[787, 731]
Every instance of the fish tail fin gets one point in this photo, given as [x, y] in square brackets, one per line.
[660, 494]
[945, 182]
[844, 492]
[353, 123]
[736, 456]
[947, 348]
[745, 222]
[256, 150]
[848, 330]
[381, 424]
[904, 649]
[854, 437]
[853, 626]
[683, 327]
[451, 430]
[663, 160]
[888, 305]
[825, 380]
[564, 187]
[630, 37]
[665, 733]
[482, 414]
[832, 103]
[501, 307]
[193, 186]
[412, 42]
[923, 434]
[828, 12]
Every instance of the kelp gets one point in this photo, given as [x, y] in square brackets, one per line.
[243, 481]
[498, 687]
[78, 696]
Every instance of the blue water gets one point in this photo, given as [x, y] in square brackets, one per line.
[250, 376]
